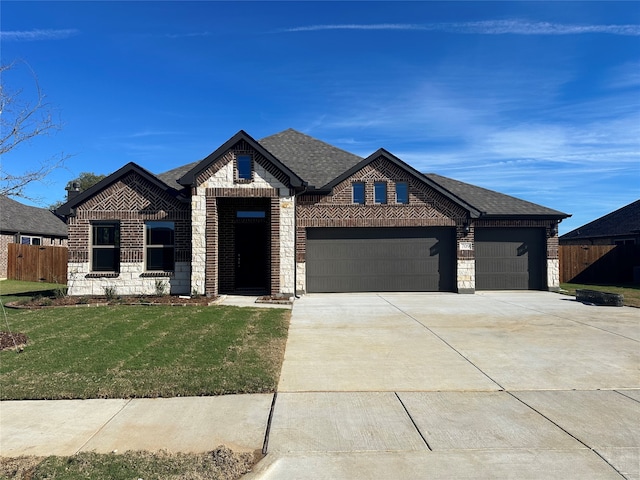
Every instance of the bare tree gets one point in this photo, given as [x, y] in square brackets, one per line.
[22, 120]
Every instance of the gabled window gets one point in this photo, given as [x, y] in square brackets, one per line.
[380, 192]
[28, 240]
[105, 247]
[160, 246]
[358, 192]
[402, 192]
[244, 168]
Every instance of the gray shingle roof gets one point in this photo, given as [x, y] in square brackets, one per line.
[491, 202]
[16, 217]
[319, 163]
[311, 159]
[624, 221]
[170, 177]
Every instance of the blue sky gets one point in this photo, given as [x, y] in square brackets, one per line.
[536, 100]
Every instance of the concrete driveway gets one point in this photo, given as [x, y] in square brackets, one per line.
[491, 385]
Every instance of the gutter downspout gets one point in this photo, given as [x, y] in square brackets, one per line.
[295, 238]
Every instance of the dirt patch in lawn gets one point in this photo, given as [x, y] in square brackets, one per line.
[12, 340]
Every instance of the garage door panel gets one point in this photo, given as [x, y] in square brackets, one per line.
[510, 258]
[377, 259]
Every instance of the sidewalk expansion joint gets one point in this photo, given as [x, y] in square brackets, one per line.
[413, 422]
[621, 392]
[567, 432]
[103, 426]
[265, 444]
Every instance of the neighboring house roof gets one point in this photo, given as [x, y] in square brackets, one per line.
[18, 218]
[67, 208]
[313, 160]
[624, 221]
[492, 203]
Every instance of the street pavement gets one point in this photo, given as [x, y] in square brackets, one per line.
[426, 385]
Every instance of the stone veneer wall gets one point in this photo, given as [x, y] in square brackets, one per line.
[426, 208]
[217, 181]
[131, 201]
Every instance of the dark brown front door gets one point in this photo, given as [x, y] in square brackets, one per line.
[251, 258]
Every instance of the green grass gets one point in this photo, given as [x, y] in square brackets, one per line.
[631, 293]
[221, 463]
[14, 290]
[142, 351]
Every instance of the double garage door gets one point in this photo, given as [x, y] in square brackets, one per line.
[381, 259]
[421, 259]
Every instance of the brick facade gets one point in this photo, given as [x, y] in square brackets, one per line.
[205, 225]
[131, 201]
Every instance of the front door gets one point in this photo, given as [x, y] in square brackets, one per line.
[251, 261]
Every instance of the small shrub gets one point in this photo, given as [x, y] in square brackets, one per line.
[194, 293]
[161, 288]
[110, 293]
[60, 291]
[83, 300]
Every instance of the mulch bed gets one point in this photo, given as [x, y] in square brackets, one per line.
[83, 301]
[12, 340]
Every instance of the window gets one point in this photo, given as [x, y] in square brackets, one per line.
[251, 214]
[244, 167]
[358, 193]
[160, 241]
[629, 241]
[402, 192]
[27, 240]
[380, 192]
[105, 247]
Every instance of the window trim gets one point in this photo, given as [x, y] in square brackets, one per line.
[163, 246]
[353, 193]
[237, 177]
[377, 185]
[398, 201]
[31, 239]
[94, 247]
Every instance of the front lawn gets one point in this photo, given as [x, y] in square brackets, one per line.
[631, 293]
[143, 351]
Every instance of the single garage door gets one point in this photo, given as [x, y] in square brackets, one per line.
[380, 259]
[510, 259]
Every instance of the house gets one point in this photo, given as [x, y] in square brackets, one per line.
[621, 227]
[290, 213]
[23, 224]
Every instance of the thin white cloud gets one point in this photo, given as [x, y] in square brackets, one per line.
[187, 35]
[37, 34]
[488, 27]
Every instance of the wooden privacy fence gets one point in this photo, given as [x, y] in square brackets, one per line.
[35, 263]
[599, 263]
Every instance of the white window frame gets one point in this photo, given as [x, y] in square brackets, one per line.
[30, 239]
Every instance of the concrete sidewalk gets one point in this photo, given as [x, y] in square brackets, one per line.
[186, 424]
